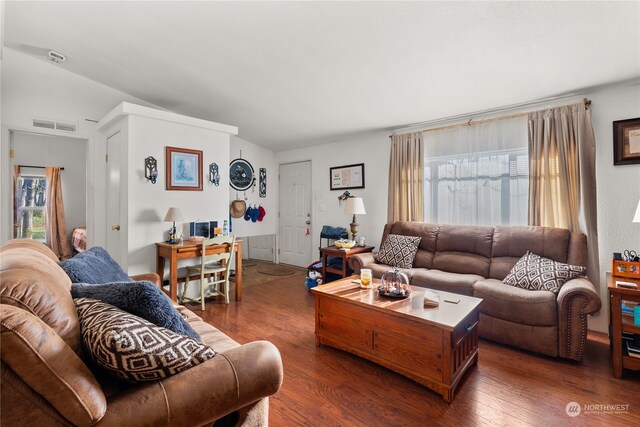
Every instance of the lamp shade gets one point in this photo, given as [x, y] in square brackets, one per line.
[636, 217]
[173, 215]
[354, 206]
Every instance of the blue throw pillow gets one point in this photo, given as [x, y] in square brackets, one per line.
[142, 299]
[94, 266]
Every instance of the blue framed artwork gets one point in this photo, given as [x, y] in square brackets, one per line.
[184, 169]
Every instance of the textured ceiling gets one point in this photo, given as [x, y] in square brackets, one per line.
[290, 74]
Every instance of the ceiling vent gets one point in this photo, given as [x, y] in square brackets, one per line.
[51, 124]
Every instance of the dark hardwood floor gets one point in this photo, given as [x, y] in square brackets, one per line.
[328, 387]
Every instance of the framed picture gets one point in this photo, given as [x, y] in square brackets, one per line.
[346, 177]
[184, 169]
[626, 141]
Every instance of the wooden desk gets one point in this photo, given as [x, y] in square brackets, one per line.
[174, 252]
[621, 322]
[332, 251]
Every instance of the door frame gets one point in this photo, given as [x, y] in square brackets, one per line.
[311, 228]
[6, 176]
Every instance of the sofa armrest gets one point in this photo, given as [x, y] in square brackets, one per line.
[577, 298]
[204, 393]
[359, 261]
[149, 277]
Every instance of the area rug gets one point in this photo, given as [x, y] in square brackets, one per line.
[275, 270]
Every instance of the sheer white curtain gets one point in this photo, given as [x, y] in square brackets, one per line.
[477, 174]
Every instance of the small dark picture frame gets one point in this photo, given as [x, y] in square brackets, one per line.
[346, 177]
[184, 169]
[626, 142]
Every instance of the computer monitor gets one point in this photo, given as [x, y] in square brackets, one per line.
[203, 228]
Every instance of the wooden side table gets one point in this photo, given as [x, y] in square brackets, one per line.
[621, 322]
[332, 251]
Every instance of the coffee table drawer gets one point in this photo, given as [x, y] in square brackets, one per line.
[427, 334]
[408, 354]
[347, 330]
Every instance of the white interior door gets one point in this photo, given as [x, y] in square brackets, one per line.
[295, 214]
[114, 234]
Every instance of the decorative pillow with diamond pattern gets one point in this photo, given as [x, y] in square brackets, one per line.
[538, 273]
[132, 348]
[399, 251]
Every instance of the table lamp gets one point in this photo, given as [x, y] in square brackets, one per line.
[636, 217]
[353, 206]
[173, 215]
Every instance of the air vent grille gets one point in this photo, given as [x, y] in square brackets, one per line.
[51, 124]
[47, 124]
[67, 127]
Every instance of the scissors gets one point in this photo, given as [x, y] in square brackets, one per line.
[630, 255]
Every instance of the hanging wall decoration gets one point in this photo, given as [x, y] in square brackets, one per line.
[263, 183]
[214, 176]
[241, 174]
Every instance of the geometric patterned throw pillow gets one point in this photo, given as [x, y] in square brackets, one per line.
[538, 273]
[399, 251]
[132, 348]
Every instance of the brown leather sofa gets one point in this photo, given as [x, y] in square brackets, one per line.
[48, 381]
[473, 260]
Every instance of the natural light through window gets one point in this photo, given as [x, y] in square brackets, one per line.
[477, 174]
[30, 207]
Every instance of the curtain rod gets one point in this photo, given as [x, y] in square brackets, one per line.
[425, 125]
[35, 167]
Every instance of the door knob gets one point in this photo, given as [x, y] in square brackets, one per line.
[308, 222]
[115, 227]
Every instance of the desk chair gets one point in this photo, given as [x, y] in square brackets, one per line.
[217, 265]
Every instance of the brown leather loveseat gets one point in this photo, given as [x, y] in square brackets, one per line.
[473, 260]
[47, 381]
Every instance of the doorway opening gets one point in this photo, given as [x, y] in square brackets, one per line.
[32, 152]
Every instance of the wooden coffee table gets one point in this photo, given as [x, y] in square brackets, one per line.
[433, 346]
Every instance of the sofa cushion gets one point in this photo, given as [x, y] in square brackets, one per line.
[41, 359]
[399, 251]
[142, 299]
[377, 270]
[94, 266]
[464, 249]
[535, 308]
[132, 348]
[539, 273]
[445, 281]
[510, 243]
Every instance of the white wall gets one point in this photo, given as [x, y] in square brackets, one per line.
[372, 149]
[33, 87]
[147, 203]
[259, 157]
[618, 186]
[44, 150]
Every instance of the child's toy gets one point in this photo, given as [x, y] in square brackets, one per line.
[314, 278]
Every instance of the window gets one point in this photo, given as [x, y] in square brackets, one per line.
[30, 207]
[477, 174]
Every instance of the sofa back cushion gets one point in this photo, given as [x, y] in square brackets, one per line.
[464, 249]
[510, 243]
[427, 246]
[43, 361]
[34, 282]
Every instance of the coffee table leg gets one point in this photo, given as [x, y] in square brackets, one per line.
[448, 396]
